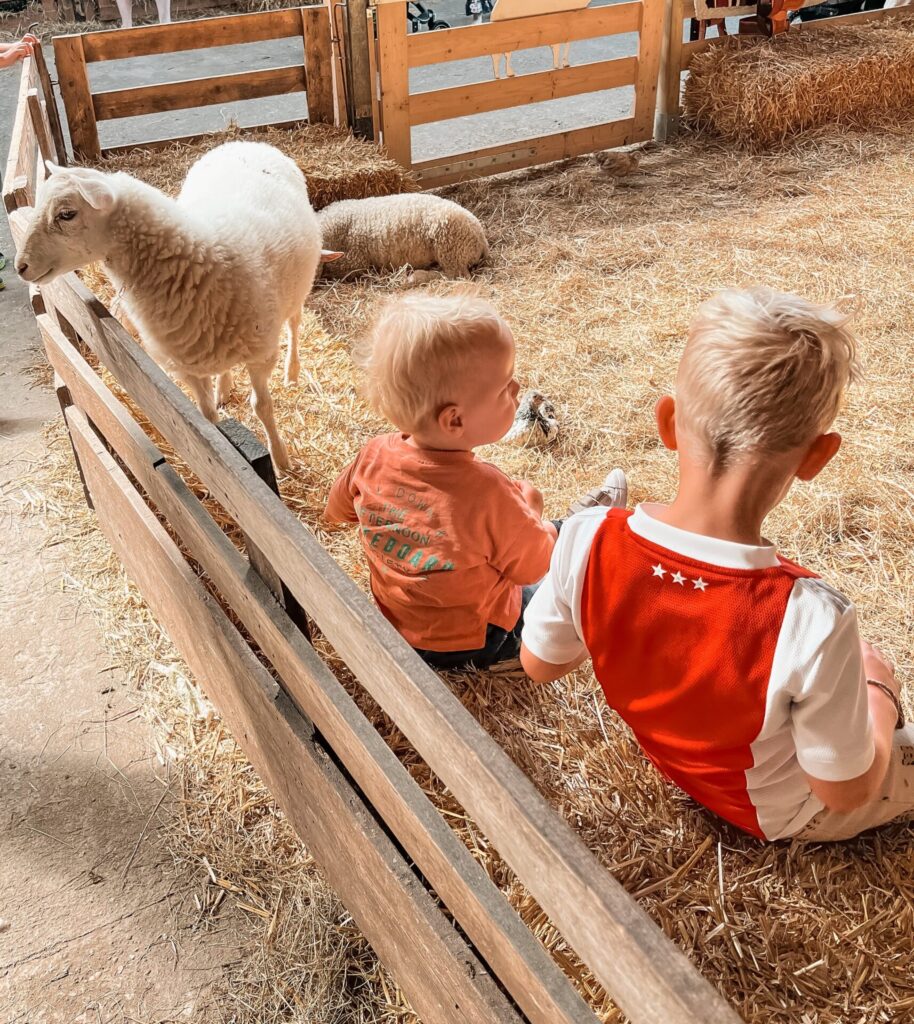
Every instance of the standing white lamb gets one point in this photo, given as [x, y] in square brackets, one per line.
[208, 279]
[414, 229]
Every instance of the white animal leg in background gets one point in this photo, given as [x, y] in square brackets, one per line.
[125, 10]
[292, 365]
[262, 404]
[557, 55]
[509, 71]
[224, 383]
[202, 387]
[496, 64]
[164, 9]
[566, 60]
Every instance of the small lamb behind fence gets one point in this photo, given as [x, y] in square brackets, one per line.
[209, 279]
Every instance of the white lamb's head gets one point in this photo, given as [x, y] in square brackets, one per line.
[69, 227]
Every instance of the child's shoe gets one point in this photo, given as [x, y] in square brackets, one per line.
[612, 493]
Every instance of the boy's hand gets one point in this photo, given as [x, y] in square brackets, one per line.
[15, 51]
[877, 666]
[532, 496]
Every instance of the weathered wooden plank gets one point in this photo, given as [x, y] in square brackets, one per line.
[315, 25]
[666, 122]
[651, 980]
[19, 177]
[77, 96]
[192, 35]
[50, 101]
[392, 60]
[40, 126]
[155, 144]
[650, 48]
[481, 97]
[360, 79]
[519, 34]
[198, 92]
[518, 959]
[444, 981]
[527, 153]
[373, 69]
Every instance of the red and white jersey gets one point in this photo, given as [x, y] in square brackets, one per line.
[736, 670]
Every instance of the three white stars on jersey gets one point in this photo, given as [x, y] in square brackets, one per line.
[677, 577]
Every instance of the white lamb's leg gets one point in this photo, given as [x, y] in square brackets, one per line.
[566, 60]
[557, 55]
[496, 64]
[292, 364]
[125, 10]
[164, 9]
[262, 404]
[509, 71]
[202, 388]
[224, 384]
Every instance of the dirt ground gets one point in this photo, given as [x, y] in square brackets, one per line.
[97, 923]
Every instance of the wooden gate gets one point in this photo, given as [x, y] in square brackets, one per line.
[398, 110]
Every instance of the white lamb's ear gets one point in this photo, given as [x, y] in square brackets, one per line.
[97, 193]
[329, 255]
[52, 168]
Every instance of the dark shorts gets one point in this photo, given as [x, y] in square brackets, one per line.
[501, 644]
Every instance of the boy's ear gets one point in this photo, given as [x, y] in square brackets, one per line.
[665, 412]
[818, 455]
[450, 420]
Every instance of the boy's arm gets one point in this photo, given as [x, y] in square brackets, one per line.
[340, 507]
[545, 671]
[522, 542]
[853, 793]
[841, 726]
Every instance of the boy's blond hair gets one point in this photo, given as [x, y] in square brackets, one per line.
[763, 373]
[419, 347]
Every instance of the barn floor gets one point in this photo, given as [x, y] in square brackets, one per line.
[599, 280]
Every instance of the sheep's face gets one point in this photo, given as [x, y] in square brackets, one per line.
[69, 226]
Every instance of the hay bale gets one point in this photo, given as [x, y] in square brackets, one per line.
[758, 92]
[336, 164]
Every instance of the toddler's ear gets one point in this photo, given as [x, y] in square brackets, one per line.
[665, 412]
[818, 455]
[450, 420]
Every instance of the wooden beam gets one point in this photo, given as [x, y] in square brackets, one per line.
[395, 116]
[465, 100]
[40, 126]
[650, 47]
[198, 92]
[19, 177]
[315, 28]
[666, 123]
[519, 960]
[513, 156]
[50, 101]
[116, 44]
[155, 144]
[649, 978]
[73, 80]
[444, 982]
[518, 33]
[360, 79]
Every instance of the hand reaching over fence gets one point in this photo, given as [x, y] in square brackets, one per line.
[12, 52]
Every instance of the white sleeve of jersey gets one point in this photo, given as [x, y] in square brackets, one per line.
[552, 621]
[818, 659]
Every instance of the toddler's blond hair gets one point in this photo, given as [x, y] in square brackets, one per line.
[419, 347]
[763, 373]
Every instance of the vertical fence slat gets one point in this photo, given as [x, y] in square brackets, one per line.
[318, 64]
[50, 102]
[77, 97]
[650, 45]
[393, 57]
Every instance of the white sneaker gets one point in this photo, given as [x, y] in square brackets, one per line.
[612, 493]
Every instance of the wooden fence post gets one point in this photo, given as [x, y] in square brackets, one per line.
[358, 76]
[650, 44]
[394, 64]
[316, 39]
[50, 104]
[666, 123]
[259, 458]
[77, 98]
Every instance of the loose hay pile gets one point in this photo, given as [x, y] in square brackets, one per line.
[335, 163]
[758, 93]
[599, 282]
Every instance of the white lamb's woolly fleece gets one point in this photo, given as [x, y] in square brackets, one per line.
[389, 232]
[208, 279]
[211, 278]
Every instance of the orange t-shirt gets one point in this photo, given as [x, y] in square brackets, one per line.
[449, 540]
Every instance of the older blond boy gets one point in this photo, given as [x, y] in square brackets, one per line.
[742, 675]
[450, 540]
